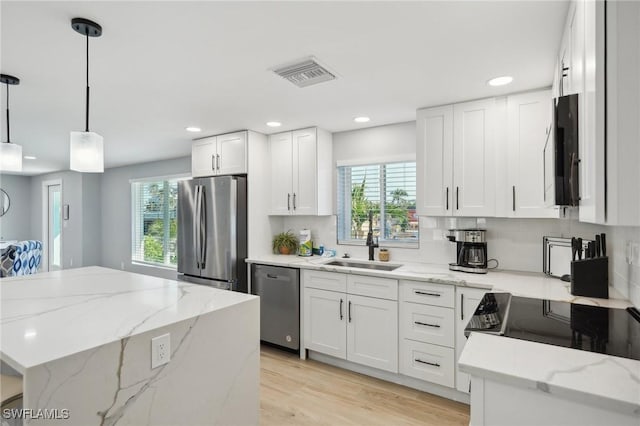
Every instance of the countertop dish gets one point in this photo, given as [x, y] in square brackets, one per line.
[526, 284]
[54, 314]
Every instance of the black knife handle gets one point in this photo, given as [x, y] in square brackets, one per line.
[597, 246]
[574, 248]
[579, 248]
[603, 244]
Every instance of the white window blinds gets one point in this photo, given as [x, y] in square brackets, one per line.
[389, 190]
[154, 222]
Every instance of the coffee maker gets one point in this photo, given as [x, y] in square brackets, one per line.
[471, 250]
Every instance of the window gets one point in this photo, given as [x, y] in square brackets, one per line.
[389, 190]
[154, 225]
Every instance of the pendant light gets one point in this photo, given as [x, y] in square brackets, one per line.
[10, 153]
[86, 148]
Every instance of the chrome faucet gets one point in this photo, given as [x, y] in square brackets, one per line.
[372, 246]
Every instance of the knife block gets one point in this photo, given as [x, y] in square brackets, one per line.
[590, 277]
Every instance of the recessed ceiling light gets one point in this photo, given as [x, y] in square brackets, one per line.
[500, 81]
[274, 123]
[30, 157]
[361, 119]
[193, 129]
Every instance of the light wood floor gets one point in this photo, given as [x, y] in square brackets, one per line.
[295, 392]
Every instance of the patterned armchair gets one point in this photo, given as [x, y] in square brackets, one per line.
[21, 258]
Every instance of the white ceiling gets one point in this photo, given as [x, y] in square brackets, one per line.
[161, 66]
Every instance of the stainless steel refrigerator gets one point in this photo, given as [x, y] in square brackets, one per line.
[212, 232]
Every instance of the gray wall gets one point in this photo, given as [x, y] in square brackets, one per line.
[15, 224]
[92, 219]
[116, 212]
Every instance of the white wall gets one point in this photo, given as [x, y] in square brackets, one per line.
[516, 243]
[15, 224]
[116, 212]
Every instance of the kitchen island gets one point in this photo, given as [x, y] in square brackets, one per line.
[81, 340]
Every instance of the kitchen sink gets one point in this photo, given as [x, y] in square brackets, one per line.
[363, 265]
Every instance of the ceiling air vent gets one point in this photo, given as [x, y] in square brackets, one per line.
[305, 73]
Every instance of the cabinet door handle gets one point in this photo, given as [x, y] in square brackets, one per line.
[218, 161]
[461, 307]
[435, 364]
[427, 324]
[447, 198]
[273, 277]
[341, 316]
[425, 293]
[213, 162]
[457, 198]
[513, 198]
[288, 201]
[349, 310]
[294, 201]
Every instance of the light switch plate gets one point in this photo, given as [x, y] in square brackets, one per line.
[160, 350]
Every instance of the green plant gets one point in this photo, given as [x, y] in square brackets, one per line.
[285, 243]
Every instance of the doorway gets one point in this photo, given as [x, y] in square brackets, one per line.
[52, 225]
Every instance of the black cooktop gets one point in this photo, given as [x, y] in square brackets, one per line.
[589, 328]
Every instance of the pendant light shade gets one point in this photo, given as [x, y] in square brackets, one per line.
[86, 150]
[10, 157]
[10, 153]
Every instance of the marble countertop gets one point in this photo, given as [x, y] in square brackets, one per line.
[524, 284]
[55, 314]
[587, 377]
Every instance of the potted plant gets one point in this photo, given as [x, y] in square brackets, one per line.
[285, 243]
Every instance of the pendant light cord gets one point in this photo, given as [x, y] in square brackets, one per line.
[8, 131]
[87, 105]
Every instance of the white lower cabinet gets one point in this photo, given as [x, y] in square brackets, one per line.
[324, 322]
[354, 327]
[467, 301]
[428, 362]
[427, 332]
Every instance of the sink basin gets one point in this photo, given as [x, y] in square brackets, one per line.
[363, 265]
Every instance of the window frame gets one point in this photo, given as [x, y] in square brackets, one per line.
[136, 218]
[408, 244]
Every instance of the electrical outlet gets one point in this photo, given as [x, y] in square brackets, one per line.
[160, 350]
[632, 253]
[122, 265]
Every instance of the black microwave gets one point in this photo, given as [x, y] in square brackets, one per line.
[561, 160]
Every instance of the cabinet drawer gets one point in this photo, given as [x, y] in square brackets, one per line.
[428, 324]
[427, 293]
[332, 281]
[427, 362]
[383, 288]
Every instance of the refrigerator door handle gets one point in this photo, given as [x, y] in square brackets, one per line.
[203, 227]
[196, 228]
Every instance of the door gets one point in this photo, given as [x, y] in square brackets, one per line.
[188, 227]
[324, 322]
[435, 160]
[305, 198]
[466, 304]
[473, 159]
[232, 154]
[218, 227]
[529, 118]
[372, 332]
[54, 234]
[281, 155]
[203, 157]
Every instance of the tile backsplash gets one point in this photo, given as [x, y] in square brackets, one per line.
[515, 243]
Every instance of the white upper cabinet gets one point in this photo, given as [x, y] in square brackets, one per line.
[232, 151]
[473, 159]
[301, 172]
[219, 155]
[203, 157]
[435, 160]
[529, 121]
[456, 160]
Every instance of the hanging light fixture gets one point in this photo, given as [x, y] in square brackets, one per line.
[10, 153]
[86, 148]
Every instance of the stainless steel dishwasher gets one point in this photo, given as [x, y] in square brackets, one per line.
[279, 291]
